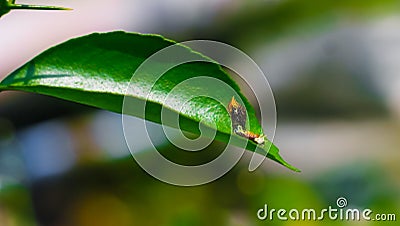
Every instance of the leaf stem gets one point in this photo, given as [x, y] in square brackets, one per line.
[7, 5]
[36, 7]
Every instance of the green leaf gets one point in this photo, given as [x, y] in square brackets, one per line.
[96, 70]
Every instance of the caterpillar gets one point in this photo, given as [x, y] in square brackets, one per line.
[238, 117]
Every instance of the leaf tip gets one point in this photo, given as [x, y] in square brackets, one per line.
[295, 169]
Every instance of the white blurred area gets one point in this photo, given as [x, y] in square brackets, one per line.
[372, 50]
[374, 45]
[383, 42]
[26, 33]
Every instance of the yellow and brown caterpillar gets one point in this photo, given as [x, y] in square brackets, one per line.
[239, 118]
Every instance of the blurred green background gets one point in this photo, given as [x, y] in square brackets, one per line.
[334, 69]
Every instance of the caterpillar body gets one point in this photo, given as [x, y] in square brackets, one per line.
[238, 117]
